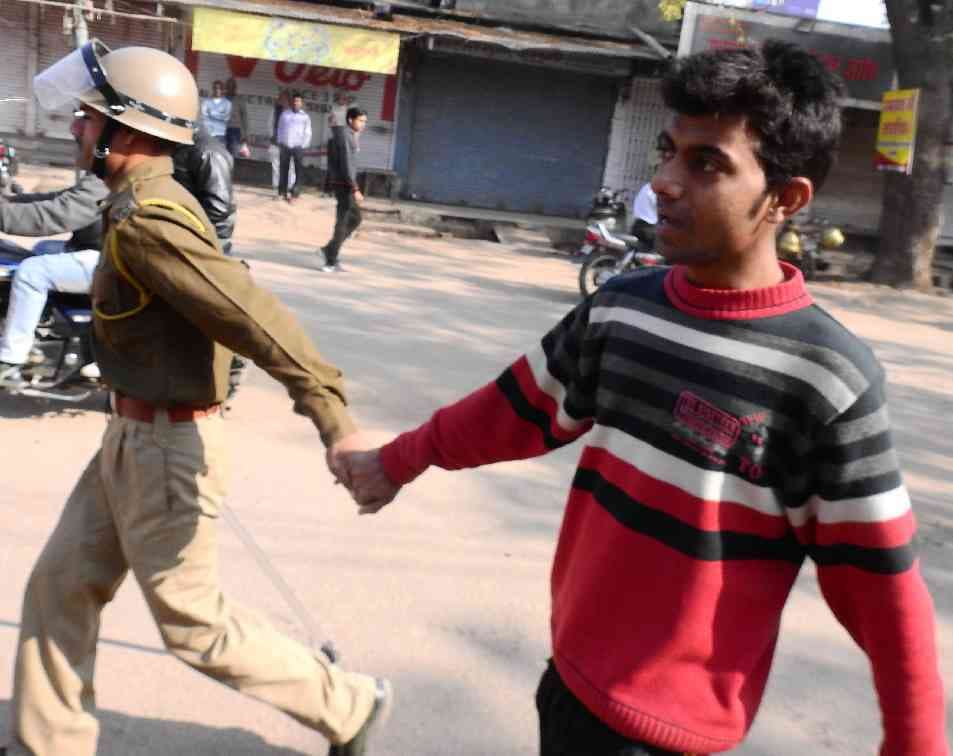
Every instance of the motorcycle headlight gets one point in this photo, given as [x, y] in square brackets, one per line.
[610, 222]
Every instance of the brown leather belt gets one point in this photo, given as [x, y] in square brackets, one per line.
[145, 412]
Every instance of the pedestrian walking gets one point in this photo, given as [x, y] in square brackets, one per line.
[343, 148]
[294, 135]
[733, 431]
[169, 308]
[282, 103]
[216, 112]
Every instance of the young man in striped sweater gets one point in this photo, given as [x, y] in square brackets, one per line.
[733, 430]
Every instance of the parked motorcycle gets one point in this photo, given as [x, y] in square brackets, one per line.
[9, 167]
[608, 208]
[612, 254]
[61, 364]
[801, 242]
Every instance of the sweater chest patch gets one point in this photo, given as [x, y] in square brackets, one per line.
[718, 435]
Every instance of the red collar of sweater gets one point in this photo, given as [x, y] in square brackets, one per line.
[738, 304]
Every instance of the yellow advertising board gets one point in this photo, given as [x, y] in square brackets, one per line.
[272, 38]
[897, 135]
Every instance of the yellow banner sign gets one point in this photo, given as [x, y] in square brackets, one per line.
[897, 135]
[269, 38]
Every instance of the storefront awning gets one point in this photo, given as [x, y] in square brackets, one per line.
[284, 11]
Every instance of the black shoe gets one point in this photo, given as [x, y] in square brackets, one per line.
[357, 746]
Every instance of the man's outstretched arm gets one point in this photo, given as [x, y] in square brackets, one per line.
[541, 402]
[56, 212]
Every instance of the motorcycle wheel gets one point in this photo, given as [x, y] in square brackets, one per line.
[596, 271]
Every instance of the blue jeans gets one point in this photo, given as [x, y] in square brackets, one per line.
[49, 269]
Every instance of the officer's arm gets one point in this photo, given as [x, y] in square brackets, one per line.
[218, 295]
[55, 213]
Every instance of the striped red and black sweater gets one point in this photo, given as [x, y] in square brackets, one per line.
[730, 434]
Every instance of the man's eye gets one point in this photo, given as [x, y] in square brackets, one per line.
[664, 153]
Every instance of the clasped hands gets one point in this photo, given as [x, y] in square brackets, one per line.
[356, 464]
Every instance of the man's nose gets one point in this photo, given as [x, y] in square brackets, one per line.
[667, 182]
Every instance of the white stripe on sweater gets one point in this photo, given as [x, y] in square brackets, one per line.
[876, 508]
[837, 393]
[538, 364]
[711, 485]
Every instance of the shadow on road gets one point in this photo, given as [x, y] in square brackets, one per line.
[105, 641]
[122, 735]
[18, 407]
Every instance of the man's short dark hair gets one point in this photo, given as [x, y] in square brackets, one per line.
[297, 96]
[353, 113]
[788, 96]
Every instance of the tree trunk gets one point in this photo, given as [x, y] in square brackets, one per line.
[912, 213]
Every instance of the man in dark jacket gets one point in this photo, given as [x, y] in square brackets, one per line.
[205, 169]
[57, 265]
[342, 178]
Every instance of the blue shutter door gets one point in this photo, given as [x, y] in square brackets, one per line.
[509, 137]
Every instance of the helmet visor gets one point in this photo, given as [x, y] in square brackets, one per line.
[71, 77]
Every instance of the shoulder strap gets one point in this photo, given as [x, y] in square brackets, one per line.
[112, 249]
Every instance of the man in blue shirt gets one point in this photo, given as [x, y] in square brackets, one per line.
[216, 110]
[294, 135]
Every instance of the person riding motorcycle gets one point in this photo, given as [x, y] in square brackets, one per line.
[645, 215]
[168, 310]
[57, 265]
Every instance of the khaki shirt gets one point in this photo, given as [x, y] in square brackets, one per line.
[169, 306]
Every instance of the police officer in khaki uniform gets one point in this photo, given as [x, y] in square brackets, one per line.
[168, 308]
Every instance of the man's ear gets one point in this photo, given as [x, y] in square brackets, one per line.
[791, 197]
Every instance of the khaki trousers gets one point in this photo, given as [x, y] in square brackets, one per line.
[149, 501]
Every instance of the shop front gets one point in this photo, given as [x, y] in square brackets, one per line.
[331, 68]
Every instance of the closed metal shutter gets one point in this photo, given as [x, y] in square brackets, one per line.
[14, 26]
[259, 82]
[509, 137]
[113, 31]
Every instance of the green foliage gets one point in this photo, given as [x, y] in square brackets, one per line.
[671, 10]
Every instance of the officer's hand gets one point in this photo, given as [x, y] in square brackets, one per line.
[358, 196]
[337, 455]
[370, 486]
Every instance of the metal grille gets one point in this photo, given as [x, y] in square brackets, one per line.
[14, 27]
[114, 31]
[635, 128]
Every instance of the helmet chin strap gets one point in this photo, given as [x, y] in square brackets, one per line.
[102, 148]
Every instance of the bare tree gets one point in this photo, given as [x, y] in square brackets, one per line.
[912, 213]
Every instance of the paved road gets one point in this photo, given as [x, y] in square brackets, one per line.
[446, 592]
